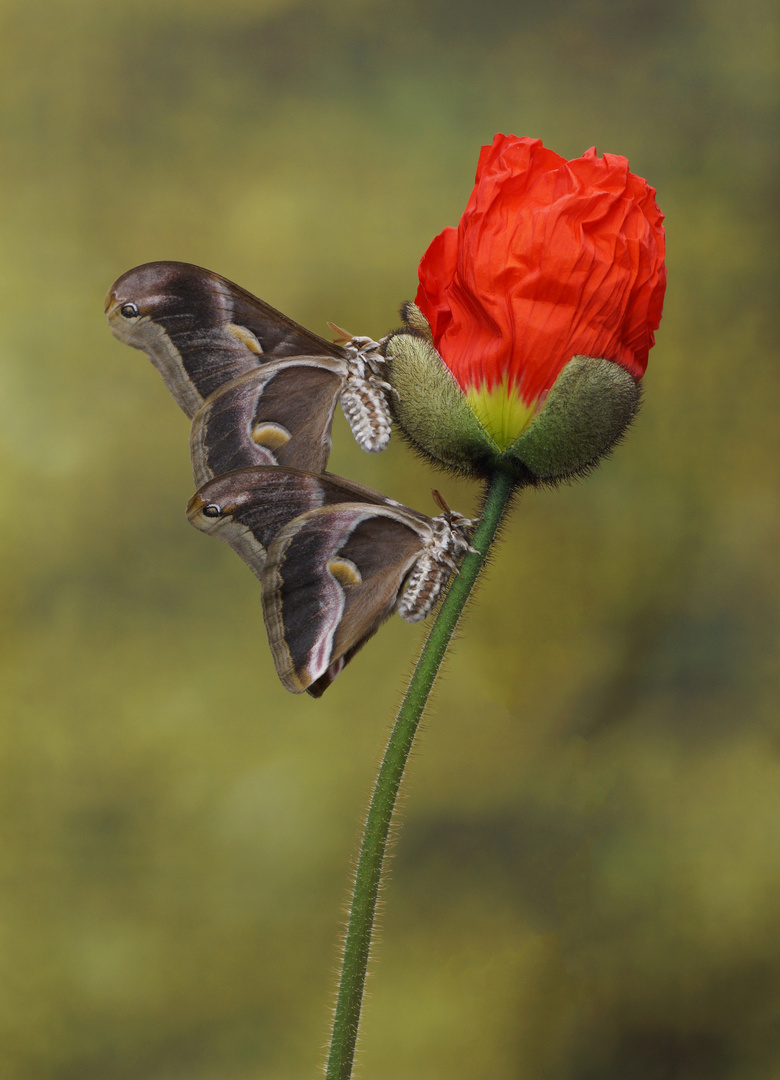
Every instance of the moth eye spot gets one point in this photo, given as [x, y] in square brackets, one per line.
[129, 311]
[246, 338]
[212, 511]
[272, 436]
[345, 572]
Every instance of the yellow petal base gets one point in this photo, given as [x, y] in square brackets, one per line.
[502, 412]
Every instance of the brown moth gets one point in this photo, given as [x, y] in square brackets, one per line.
[335, 560]
[203, 333]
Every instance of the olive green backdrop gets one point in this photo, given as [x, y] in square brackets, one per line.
[586, 882]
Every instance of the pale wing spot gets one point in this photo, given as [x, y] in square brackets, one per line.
[273, 436]
[345, 572]
[246, 337]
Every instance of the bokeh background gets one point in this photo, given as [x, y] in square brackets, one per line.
[586, 882]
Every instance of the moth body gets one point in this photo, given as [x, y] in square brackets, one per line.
[365, 406]
[448, 543]
[423, 589]
[364, 397]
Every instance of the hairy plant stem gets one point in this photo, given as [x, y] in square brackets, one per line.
[368, 875]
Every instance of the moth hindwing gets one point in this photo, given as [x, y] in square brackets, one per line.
[279, 414]
[335, 560]
[202, 332]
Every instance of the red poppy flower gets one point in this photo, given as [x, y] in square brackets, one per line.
[552, 260]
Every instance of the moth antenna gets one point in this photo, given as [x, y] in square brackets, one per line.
[366, 345]
[441, 502]
[361, 341]
[342, 336]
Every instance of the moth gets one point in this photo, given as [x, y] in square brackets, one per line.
[335, 559]
[226, 356]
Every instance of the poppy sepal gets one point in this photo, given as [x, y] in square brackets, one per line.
[428, 404]
[582, 417]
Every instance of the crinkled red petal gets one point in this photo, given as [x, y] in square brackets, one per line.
[551, 259]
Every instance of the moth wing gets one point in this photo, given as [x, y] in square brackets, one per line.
[332, 577]
[278, 334]
[247, 508]
[200, 330]
[279, 414]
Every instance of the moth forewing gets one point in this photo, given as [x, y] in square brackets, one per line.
[247, 508]
[185, 319]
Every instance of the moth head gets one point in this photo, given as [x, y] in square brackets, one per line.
[457, 524]
[206, 513]
[129, 319]
[215, 503]
[139, 298]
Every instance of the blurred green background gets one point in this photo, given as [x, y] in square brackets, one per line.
[586, 882]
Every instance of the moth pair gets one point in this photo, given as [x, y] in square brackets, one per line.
[334, 558]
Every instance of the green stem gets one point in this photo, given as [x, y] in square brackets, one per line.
[368, 876]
